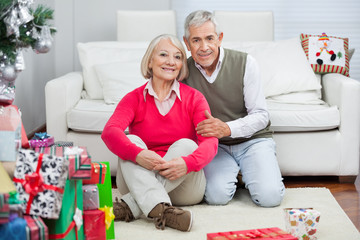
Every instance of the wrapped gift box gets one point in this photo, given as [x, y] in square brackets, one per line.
[15, 229]
[4, 208]
[6, 173]
[90, 197]
[98, 171]
[41, 140]
[78, 157]
[69, 226]
[264, 233]
[36, 228]
[10, 133]
[302, 222]
[105, 197]
[40, 180]
[94, 225]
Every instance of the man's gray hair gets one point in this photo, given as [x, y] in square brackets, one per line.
[198, 18]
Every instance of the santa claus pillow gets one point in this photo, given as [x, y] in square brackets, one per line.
[326, 54]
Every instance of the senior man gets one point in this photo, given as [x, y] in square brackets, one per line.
[230, 81]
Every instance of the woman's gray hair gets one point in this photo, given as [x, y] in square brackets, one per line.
[198, 18]
[147, 72]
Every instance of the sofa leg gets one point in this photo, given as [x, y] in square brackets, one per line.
[347, 179]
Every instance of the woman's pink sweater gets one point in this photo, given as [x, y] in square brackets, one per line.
[157, 131]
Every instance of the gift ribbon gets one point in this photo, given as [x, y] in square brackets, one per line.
[41, 136]
[109, 215]
[72, 224]
[13, 198]
[100, 175]
[33, 184]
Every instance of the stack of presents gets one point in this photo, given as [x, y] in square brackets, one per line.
[55, 191]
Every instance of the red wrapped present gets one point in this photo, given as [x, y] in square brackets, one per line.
[4, 208]
[98, 172]
[264, 233]
[79, 159]
[40, 180]
[94, 225]
[36, 228]
[41, 139]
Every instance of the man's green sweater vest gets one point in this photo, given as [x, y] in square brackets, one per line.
[225, 95]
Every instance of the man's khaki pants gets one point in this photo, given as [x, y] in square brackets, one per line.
[143, 189]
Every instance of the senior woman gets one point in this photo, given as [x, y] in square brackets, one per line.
[161, 160]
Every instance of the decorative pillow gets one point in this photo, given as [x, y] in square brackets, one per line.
[96, 53]
[326, 54]
[119, 78]
[283, 65]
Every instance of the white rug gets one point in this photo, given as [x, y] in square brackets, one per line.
[242, 214]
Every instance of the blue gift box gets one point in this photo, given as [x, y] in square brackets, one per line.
[10, 133]
[14, 229]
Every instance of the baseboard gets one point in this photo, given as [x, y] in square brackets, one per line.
[42, 128]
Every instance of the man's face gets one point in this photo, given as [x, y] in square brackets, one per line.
[204, 43]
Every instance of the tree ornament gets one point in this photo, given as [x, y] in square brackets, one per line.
[12, 23]
[24, 14]
[9, 73]
[42, 45]
[19, 61]
[44, 41]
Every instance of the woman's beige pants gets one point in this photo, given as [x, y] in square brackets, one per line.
[143, 189]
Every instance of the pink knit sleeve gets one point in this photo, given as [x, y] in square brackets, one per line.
[113, 134]
[207, 145]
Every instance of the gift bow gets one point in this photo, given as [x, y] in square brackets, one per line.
[73, 151]
[109, 215]
[34, 183]
[13, 198]
[41, 136]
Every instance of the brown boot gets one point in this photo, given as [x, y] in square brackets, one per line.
[166, 215]
[122, 211]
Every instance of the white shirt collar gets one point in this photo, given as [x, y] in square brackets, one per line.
[175, 87]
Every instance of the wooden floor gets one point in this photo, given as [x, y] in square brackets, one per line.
[346, 194]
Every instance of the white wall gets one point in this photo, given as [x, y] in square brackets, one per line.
[30, 83]
[75, 21]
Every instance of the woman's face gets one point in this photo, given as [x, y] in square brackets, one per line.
[166, 61]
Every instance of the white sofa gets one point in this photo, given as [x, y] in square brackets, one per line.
[315, 119]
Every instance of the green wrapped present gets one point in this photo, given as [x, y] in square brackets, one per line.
[105, 198]
[69, 226]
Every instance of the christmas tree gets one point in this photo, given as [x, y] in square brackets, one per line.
[21, 27]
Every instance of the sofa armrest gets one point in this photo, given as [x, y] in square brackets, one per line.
[61, 94]
[344, 92]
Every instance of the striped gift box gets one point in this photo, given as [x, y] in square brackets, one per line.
[79, 159]
[4, 208]
[36, 228]
[98, 172]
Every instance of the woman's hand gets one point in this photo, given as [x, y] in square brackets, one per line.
[149, 159]
[173, 169]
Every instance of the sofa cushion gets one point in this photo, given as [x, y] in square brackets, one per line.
[97, 53]
[89, 115]
[119, 78]
[302, 117]
[283, 65]
[327, 54]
